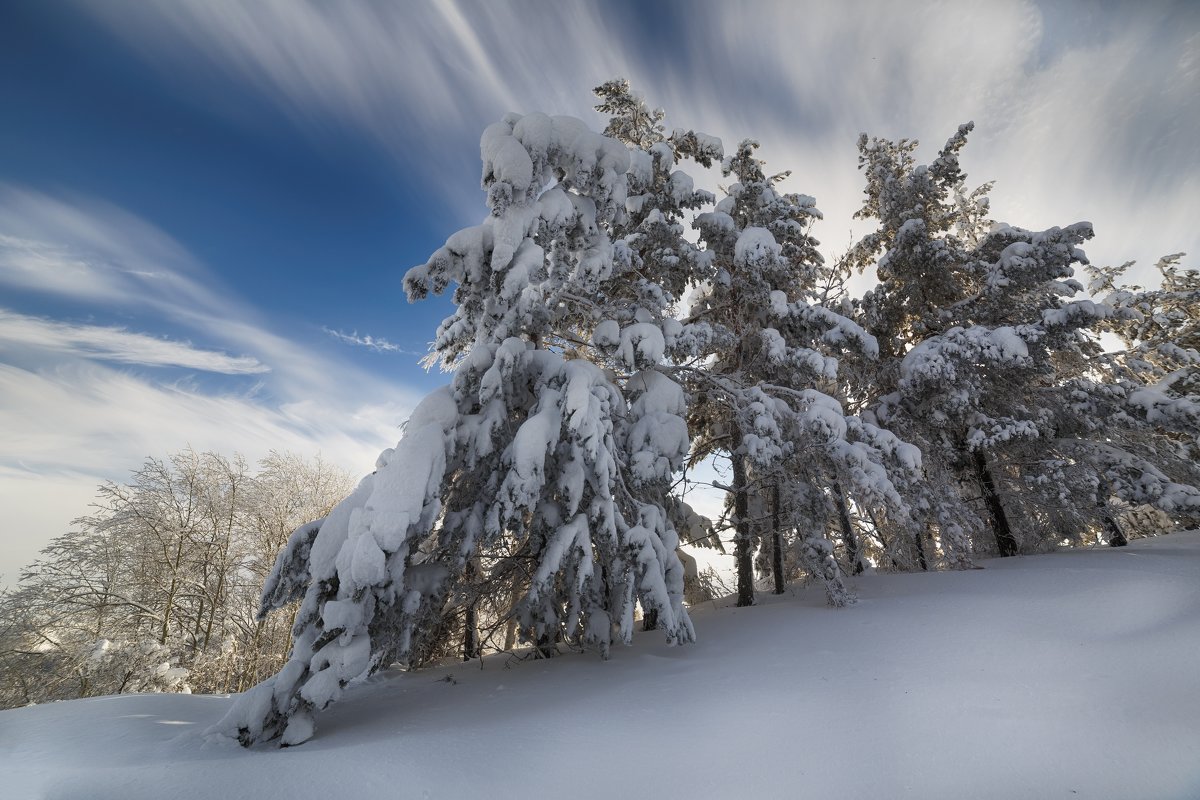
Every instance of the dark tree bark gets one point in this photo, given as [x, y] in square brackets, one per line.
[776, 540]
[1006, 542]
[852, 552]
[546, 647]
[470, 618]
[650, 620]
[470, 635]
[1116, 536]
[919, 541]
[743, 545]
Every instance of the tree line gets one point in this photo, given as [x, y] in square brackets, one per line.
[158, 588]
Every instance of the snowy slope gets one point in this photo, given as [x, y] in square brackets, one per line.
[1070, 675]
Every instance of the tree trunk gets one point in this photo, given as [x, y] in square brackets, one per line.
[165, 630]
[546, 647]
[511, 628]
[510, 635]
[1006, 543]
[743, 546]
[248, 674]
[196, 627]
[470, 635]
[650, 620]
[882, 540]
[852, 552]
[1116, 536]
[212, 612]
[776, 540]
[470, 617]
[919, 541]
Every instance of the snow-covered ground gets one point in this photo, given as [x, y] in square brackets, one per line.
[1072, 675]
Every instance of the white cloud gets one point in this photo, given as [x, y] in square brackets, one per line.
[93, 251]
[117, 344]
[36, 507]
[378, 344]
[93, 418]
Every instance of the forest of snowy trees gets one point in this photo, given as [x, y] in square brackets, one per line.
[615, 326]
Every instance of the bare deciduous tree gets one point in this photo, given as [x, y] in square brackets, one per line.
[159, 586]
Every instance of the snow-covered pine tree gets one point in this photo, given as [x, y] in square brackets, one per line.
[873, 511]
[1160, 328]
[1155, 378]
[642, 304]
[925, 220]
[761, 398]
[532, 456]
[659, 196]
[630, 120]
[986, 348]
[664, 263]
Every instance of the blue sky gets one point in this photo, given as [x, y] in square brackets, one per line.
[207, 207]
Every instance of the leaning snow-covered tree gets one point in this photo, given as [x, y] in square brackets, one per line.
[536, 477]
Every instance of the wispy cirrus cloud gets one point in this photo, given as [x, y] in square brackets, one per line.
[109, 343]
[411, 77]
[103, 258]
[1082, 111]
[88, 250]
[378, 344]
[115, 262]
[67, 427]
[84, 416]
